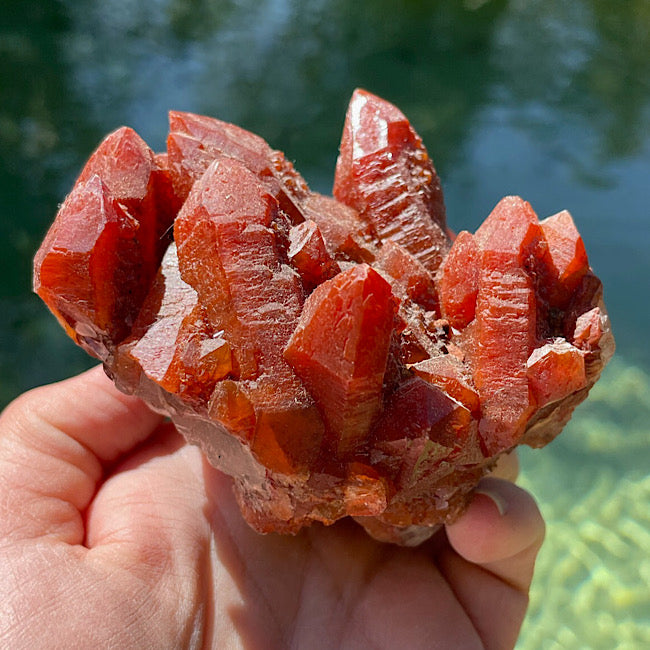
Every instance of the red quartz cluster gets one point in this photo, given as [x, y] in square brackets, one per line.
[342, 356]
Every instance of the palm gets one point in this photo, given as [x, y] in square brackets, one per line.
[158, 556]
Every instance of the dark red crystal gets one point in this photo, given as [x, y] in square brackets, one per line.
[336, 356]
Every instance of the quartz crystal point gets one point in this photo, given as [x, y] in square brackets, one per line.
[384, 172]
[336, 356]
[101, 254]
[340, 348]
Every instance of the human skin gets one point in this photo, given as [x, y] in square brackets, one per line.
[116, 533]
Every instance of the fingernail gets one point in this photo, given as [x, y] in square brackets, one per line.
[497, 499]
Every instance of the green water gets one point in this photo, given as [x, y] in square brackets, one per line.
[546, 99]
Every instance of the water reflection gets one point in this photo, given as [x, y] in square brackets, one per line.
[591, 70]
[281, 68]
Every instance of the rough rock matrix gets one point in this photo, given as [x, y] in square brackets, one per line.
[343, 356]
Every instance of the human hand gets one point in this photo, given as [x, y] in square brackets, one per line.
[115, 533]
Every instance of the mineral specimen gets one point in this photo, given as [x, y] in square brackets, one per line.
[337, 357]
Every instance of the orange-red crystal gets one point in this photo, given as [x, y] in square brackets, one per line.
[337, 356]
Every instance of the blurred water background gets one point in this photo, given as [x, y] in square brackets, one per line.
[542, 98]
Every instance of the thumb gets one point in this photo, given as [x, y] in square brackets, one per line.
[501, 531]
[494, 544]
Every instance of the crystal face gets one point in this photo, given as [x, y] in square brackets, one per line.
[343, 356]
